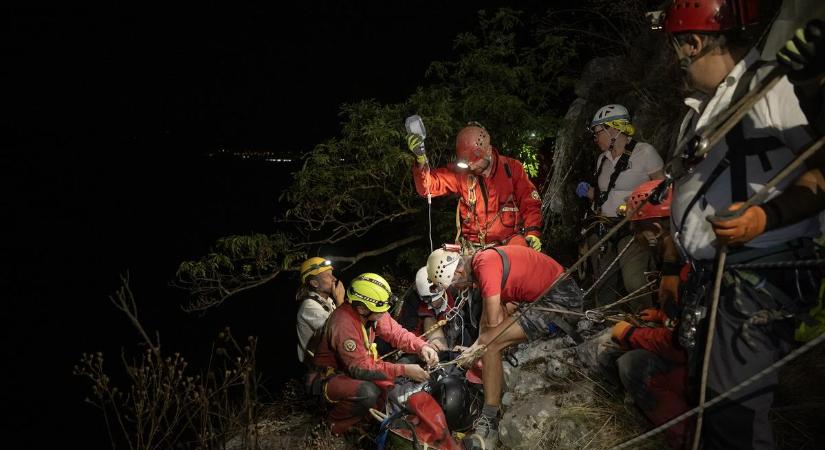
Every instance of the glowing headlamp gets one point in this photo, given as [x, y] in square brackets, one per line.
[313, 267]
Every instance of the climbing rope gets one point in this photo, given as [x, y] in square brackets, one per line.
[701, 144]
[717, 285]
[806, 263]
[606, 271]
[631, 296]
[429, 331]
[788, 358]
[464, 295]
[720, 269]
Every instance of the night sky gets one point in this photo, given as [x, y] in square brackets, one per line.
[110, 113]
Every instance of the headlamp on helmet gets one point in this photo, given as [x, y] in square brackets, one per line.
[471, 145]
[314, 266]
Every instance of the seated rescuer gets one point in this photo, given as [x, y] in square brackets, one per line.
[320, 294]
[752, 328]
[623, 163]
[347, 371]
[650, 364]
[497, 201]
[509, 274]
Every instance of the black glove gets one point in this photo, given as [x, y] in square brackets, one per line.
[804, 54]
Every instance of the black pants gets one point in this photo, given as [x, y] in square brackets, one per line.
[744, 345]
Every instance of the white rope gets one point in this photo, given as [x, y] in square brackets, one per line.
[788, 358]
[606, 271]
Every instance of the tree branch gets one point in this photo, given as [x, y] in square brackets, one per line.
[379, 251]
[204, 305]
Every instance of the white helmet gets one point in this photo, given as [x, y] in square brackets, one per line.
[609, 113]
[422, 285]
[614, 116]
[441, 267]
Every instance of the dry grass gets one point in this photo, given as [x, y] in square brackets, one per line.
[601, 423]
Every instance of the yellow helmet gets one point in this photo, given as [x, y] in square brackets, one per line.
[372, 290]
[314, 266]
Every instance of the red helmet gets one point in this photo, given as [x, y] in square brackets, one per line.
[471, 144]
[649, 210]
[710, 15]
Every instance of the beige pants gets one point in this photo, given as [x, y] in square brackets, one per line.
[632, 267]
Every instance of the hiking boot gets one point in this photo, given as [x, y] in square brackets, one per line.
[485, 434]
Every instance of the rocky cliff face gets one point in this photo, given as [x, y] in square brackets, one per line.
[553, 398]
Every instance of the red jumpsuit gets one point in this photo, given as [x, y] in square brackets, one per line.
[491, 209]
[359, 379]
[653, 371]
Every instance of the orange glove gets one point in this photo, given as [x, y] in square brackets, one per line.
[655, 315]
[741, 229]
[620, 332]
[668, 290]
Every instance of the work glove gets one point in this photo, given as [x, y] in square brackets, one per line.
[583, 189]
[654, 315]
[429, 355]
[804, 54]
[742, 229]
[415, 142]
[621, 332]
[534, 242]
[415, 372]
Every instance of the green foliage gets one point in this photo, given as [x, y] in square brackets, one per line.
[235, 264]
[356, 191]
[493, 80]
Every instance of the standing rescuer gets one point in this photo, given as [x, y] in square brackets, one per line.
[497, 201]
[752, 326]
[347, 371]
[623, 164]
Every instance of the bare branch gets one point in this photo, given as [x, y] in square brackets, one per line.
[205, 303]
[389, 247]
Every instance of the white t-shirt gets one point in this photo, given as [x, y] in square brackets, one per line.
[644, 161]
[311, 316]
[778, 115]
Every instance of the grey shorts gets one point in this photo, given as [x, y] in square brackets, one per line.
[538, 324]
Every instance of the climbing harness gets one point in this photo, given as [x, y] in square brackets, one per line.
[622, 164]
[721, 257]
[689, 150]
